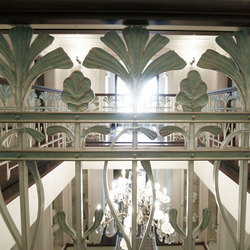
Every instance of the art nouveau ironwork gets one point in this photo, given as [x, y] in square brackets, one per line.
[20, 71]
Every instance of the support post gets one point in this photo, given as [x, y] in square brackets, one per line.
[190, 244]
[134, 192]
[24, 205]
[24, 194]
[243, 178]
[79, 206]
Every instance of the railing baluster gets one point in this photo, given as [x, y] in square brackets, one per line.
[190, 179]
[134, 191]
[79, 194]
[243, 179]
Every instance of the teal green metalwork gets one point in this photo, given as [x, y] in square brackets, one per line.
[193, 93]
[77, 92]
[135, 69]
[18, 69]
[237, 69]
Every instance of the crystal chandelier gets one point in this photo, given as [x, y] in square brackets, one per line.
[121, 195]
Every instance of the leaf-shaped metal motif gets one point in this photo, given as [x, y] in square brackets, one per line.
[18, 69]
[12, 131]
[37, 135]
[173, 222]
[5, 94]
[45, 96]
[32, 166]
[206, 215]
[61, 218]
[167, 130]
[237, 68]
[32, 95]
[193, 92]
[135, 54]
[54, 129]
[151, 134]
[213, 129]
[98, 219]
[102, 129]
[77, 92]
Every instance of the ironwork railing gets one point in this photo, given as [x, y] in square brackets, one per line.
[27, 137]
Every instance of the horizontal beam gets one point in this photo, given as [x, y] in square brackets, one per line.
[129, 12]
[108, 117]
[95, 154]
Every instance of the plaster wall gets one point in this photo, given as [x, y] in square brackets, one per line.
[229, 190]
[52, 187]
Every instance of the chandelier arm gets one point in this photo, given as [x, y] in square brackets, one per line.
[147, 167]
[111, 207]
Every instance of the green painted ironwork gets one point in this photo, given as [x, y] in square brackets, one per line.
[193, 92]
[136, 69]
[77, 92]
[5, 94]
[18, 69]
[237, 68]
[96, 117]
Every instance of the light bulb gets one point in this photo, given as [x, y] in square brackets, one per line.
[123, 173]
[130, 210]
[98, 207]
[157, 205]
[164, 191]
[157, 186]
[113, 185]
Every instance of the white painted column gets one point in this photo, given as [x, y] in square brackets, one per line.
[190, 179]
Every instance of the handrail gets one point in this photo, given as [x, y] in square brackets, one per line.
[221, 91]
[43, 88]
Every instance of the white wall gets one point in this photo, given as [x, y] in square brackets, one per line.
[228, 189]
[52, 187]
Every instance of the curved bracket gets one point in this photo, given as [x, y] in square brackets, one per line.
[112, 209]
[32, 166]
[213, 129]
[216, 183]
[102, 129]
[98, 219]
[148, 132]
[61, 218]
[36, 135]
[54, 129]
[173, 221]
[167, 130]
[147, 167]
[206, 215]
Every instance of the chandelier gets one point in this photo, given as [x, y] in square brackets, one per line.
[121, 196]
